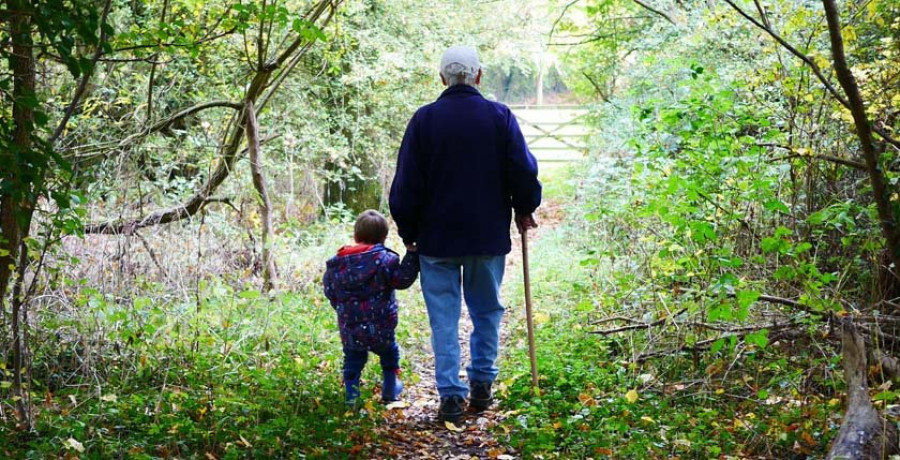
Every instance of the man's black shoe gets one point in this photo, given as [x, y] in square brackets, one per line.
[480, 397]
[451, 409]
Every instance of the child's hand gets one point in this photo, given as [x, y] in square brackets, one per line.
[412, 247]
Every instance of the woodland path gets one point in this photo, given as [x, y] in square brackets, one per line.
[412, 431]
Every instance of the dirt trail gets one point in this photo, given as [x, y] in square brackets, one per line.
[412, 432]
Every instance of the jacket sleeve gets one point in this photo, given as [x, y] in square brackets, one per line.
[328, 283]
[407, 189]
[524, 187]
[402, 274]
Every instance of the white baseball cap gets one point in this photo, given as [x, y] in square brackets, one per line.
[463, 56]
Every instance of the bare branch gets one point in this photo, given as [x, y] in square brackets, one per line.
[655, 11]
[788, 303]
[596, 85]
[830, 158]
[561, 15]
[632, 327]
[799, 54]
[281, 76]
[163, 124]
[881, 189]
[152, 77]
[178, 44]
[235, 135]
[312, 16]
[265, 203]
[85, 78]
[812, 65]
[186, 210]
[774, 334]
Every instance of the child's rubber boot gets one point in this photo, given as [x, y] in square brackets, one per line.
[351, 391]
[392, 386]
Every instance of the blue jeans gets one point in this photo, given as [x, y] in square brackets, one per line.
[480, 278]
[355, 360]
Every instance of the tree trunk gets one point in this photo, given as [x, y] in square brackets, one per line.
[9, 239]
[17, 204]
[880, 187]
[20, 343]
[265, 204]
[540, 80]
[229, 151]
[864, 434]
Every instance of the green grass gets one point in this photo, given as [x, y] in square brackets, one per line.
[243, 377]
[161, 376]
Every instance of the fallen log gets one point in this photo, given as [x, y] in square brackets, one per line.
[864, 434]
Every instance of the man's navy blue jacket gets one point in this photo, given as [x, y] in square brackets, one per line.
[462, 168]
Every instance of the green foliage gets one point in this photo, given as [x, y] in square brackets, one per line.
[237, 376]
[733, 186]
[596, 401]
[72, 31]
[738, 183]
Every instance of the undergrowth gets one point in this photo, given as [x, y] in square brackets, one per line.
[223, 372]
[596, 401]
[218, 373]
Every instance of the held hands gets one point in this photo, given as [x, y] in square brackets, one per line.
[412, 247]
[524, 222]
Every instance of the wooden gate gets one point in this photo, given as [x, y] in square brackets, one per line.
[554, 133]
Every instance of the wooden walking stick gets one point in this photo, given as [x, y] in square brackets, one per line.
[528, 315]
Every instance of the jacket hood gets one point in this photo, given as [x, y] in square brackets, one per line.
[354, 249]
[353, 266]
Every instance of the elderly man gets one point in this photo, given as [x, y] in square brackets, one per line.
[463, 167]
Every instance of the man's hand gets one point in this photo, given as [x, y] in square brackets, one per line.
[524, 222]
[412, 247]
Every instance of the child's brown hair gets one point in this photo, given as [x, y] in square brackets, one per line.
[371, 227]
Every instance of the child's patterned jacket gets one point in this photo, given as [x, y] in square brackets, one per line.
[360, 282]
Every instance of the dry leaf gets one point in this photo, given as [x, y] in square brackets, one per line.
[632, 396]
[682, 442]
[73, 444]
[396, 405]
[807, 438]
[450, 426]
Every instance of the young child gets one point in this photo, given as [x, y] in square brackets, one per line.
[360, 282]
